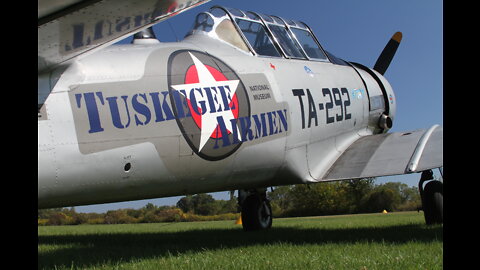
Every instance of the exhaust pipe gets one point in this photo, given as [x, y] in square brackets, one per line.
[385, 122]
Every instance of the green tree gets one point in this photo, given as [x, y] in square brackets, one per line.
[58, 218]
[340, 197]
[186, 204]
[382, 198]
[204, 204]
[150, 217]
[170, 214]
[150, 207]
[319, 199]
[357, 190]
[280, 200]
[119, 217]
[45, 213]
[200, 204]
[230, 206]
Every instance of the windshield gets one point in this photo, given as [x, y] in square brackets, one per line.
[289, 46]
[258, 38]
[308, 43]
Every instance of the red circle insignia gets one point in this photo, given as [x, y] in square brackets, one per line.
[209, 102]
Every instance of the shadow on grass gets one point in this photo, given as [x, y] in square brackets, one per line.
[96, 249]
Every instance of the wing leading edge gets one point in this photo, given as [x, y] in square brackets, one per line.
[67, 30]
[390, 154]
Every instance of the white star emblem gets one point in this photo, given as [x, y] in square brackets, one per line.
[206, 81]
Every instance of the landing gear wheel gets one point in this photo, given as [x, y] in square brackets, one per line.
[433, 202]
[256, 213]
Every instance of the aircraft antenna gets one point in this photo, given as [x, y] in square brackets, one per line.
[146, 36]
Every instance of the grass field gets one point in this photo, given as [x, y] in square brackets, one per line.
[370, 241]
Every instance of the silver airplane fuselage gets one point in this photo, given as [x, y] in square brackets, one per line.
[142, 121]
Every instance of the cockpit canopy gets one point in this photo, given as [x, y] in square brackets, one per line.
[260, 34]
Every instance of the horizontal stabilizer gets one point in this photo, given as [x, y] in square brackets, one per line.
[390, 154]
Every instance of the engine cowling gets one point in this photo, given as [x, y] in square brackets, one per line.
[382, 105]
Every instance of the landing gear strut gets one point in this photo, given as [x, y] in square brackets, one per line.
[256, 209]
[432, 198]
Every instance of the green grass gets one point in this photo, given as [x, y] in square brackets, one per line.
[373, 241]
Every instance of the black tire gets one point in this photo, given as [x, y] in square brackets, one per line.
[256, 214]
[433, 202]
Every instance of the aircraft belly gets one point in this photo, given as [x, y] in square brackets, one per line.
[46, 160]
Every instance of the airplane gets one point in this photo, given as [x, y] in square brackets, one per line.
[246, 101]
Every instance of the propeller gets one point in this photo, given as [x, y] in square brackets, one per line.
[387, 54]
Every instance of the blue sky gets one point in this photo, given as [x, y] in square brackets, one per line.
[356, 31]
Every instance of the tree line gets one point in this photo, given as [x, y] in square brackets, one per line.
[150, 213]
[332, 198]
[343, 197]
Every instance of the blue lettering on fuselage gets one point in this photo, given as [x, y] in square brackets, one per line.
[145, 109]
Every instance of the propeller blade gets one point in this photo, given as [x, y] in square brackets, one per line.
[387, 54]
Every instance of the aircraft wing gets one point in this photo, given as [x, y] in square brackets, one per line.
[390, 154]
[69, 28]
